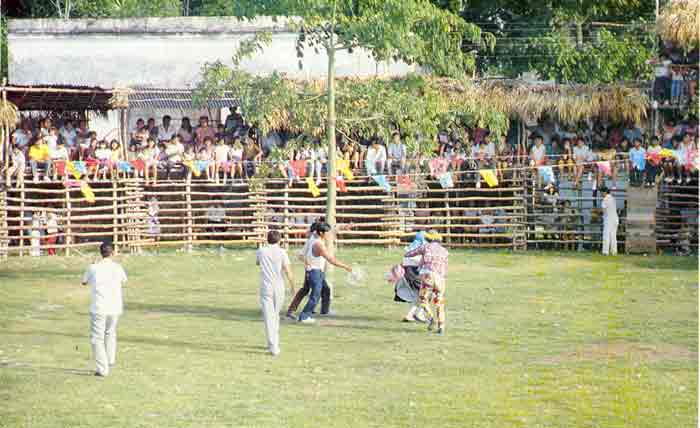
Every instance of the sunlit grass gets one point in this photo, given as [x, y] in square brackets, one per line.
[533, 340]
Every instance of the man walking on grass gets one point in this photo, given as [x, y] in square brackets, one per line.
[274, 267]
[105, 279]
[316, 258]
[433, 272]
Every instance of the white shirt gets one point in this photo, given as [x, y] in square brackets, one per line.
[272, 259]
[58, 153]
[166, 134]
[216, 214]
[305, 250]
[105, 279]
[610, 211]
[581, 153]
[221, 153]
[315, 262]
[376, 155]
[538, 152]
[51, 225]
[51, 141]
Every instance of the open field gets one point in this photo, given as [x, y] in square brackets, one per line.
[533, 340]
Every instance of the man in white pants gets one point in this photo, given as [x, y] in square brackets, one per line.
[610, 222]
[274, 267]
[105, 279]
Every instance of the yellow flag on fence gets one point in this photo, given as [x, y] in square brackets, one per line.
[489, 176]
[70, 167]
[87, 192]
[313, 188]
[190, 164]
[343, 167]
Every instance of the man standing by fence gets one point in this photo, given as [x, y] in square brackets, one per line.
[274, 266]
[610, 222]
[105, 279]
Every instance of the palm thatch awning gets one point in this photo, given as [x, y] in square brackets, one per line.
[678, 23]
[58, 98]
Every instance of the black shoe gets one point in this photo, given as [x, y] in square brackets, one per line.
[98, 374]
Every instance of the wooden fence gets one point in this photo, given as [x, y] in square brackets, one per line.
[515, 214]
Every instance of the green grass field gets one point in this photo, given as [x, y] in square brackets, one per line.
[533, 340]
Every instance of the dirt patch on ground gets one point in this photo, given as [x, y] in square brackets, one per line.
[636, 351]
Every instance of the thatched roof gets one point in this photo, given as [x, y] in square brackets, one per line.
[678, 23]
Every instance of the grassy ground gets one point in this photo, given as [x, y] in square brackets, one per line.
[534, 340]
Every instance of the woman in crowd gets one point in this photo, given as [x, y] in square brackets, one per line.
[185, 132]
[236, 155]
[149, 157]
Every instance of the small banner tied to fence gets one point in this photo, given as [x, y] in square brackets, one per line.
[139, 165]
[438, 166]
[124, 166]
[87, 192]
[313, 188]
[382, 181]
[340, 183]
[489, 177]
[654, 158]
[446, 180]
[405, 184]
[299, 168]
[72, 168]
[605, 168]
[192, 167]
[343, 167]
[666, 153]
[546, 174]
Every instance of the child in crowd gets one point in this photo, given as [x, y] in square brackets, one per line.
[188, 159]
[637, 159]
[52, 138]
[59, 157]
[653, 162]
[221, 163]
[149, 157]
[18, 166]
[566, 159]
[116, 157]
[236, 156]
[103, 155]
[582, 154]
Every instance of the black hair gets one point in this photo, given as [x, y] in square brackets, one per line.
[273, 237]
[167, 117]
[106, 249]
[604, 189]
[323, 227]
[637, 140]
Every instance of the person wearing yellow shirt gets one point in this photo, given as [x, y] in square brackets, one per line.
[39, 156]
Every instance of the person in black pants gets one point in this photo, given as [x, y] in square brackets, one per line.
[306, 289]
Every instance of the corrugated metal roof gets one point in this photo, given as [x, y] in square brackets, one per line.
[174, 99]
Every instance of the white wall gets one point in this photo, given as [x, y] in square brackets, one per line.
[162, 55]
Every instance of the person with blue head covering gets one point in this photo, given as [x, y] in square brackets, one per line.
[406, 289]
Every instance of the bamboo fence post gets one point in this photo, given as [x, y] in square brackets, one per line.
[286, 214]
[4, 236]
[188, 199]
[115, 212]
[68, 229]
[449, 220]
[21, 220]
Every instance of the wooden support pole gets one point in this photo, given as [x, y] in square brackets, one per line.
[69, 229]
[115, 220]
[286, 215]
[188, 199]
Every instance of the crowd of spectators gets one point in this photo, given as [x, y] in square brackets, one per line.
[233, 150]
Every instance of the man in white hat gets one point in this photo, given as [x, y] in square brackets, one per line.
[105, 279]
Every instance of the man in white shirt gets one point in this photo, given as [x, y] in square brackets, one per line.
[396, 154]
[105, 279]
[274, 267]
[610, 222]
[538, 153]
[375, 161]
[166, 131]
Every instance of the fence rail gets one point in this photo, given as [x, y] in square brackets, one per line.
[515, 214]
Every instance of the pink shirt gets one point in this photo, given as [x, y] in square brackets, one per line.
[434, 258]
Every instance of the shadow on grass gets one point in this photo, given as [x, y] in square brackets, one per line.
[688, 263]
[229, 314]
[153, 341]
[32, 367]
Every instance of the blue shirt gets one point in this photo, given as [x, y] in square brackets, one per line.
[638, 158]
